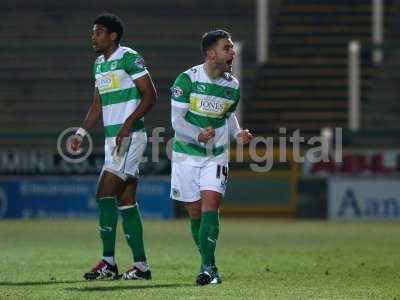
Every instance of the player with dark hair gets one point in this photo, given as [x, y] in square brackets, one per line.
[203, 104]
[123, 94]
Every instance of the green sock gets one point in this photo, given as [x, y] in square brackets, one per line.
[133, 228]
[108, 223]
[195, 228]
[208, 236]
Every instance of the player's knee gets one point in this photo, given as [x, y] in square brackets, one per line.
[210, 200]
[102, 194]
[195, 213]
[194, 209]
[210, 206]
[126, 200]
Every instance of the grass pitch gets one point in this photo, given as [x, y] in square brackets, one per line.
[258, 259]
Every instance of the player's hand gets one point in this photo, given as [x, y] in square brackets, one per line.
[206, 135]
[124, 133]
[75, 143]
[244, 137]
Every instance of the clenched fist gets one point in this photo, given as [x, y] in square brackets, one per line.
[244, 137]
[207, 134]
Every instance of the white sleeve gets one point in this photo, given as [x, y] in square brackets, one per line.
[140, 74]
[183, 130]
[233, 124]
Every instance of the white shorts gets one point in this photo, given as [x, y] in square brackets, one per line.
[187, 181]
[127, 165]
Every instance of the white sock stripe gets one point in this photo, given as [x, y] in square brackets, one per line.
[103, 198]
[109, 259]
[126, 207]
[142, 265]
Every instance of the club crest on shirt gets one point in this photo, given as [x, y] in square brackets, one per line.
[227, 76]
[176, 91]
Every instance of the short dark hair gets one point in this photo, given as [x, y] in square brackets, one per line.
[112, 22]
[211, 38]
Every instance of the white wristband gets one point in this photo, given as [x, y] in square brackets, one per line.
[81, 131]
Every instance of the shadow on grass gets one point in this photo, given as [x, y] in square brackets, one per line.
[32, 283]
[124, 287]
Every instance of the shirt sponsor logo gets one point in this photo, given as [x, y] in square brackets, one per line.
[211, 106]
[107, 82]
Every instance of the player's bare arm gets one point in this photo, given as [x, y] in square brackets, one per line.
[149, 98]
[92, 117]
[242, 136]
[94, 112]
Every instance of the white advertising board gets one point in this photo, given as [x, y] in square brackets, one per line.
[363, 199]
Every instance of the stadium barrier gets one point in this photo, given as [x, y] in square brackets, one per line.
[72, 197]
[363, 186]
[273, 192]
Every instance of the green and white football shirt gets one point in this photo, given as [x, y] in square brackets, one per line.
[208, 102]
[119, 95]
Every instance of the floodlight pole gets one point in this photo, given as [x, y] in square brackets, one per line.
[354, 86]
[262, 31]
[377, 30]
[237, 72]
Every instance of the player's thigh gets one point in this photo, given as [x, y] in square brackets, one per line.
[210, 200]
[185, 182]
[109, 185]
[128, 195]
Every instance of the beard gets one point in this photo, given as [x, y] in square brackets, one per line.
[223, 66]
